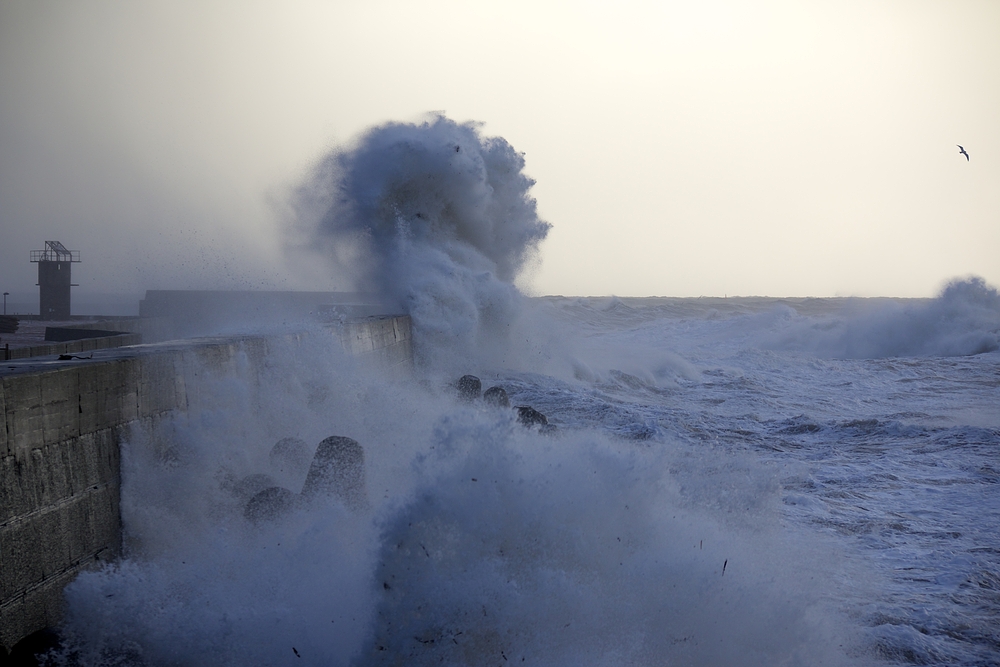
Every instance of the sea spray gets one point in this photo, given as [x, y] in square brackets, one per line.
[851, 503]
[964, 319]
[200, 584]
[482, 540]
[438, 220]
[584, 551]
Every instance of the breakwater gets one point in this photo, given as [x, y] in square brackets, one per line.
[63, 424]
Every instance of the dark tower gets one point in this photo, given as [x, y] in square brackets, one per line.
[53, 279]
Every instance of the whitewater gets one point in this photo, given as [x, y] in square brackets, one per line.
[742, 481]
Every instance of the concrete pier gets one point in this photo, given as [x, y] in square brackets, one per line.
[62, 426]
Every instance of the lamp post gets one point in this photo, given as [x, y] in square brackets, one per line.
[5, 302]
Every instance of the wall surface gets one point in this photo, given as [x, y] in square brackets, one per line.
[171, 314]
[59, 475]
[62, 426]
[387, 340]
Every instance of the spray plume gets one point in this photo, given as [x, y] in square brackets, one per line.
[436, 219]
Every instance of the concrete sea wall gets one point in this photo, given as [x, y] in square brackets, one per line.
[60, 436]
[387, 341]
[71, 347]
[59, 476]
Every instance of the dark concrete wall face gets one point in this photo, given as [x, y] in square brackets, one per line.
[60, 514]
[60, 489]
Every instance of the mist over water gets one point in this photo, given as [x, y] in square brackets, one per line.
[728, 481]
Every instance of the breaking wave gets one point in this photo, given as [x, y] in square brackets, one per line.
[963, 320]
[438, 220]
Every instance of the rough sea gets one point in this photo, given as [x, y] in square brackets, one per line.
[742, 481]
[723, 486]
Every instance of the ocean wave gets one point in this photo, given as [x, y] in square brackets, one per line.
[963, 320]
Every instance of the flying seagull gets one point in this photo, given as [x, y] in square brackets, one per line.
[962, 151]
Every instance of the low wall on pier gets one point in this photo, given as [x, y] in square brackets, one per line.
[61, 430]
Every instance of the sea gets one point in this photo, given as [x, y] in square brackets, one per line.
[702, 481]
[738, 481]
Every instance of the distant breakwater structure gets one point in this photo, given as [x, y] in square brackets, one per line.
[65, 419]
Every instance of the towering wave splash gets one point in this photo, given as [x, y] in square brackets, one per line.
[435, 218]
[963, 320]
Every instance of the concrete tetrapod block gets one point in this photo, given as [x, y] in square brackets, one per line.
[269, 504]
[338, 469]
[469, 387]
[497, 397]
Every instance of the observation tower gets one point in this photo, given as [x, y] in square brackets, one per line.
[54, 279]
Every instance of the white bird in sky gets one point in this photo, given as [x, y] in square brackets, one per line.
[962, 151]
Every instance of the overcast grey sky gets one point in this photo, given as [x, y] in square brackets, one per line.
[680, 148]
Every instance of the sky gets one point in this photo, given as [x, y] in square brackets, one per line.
[802, 148]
